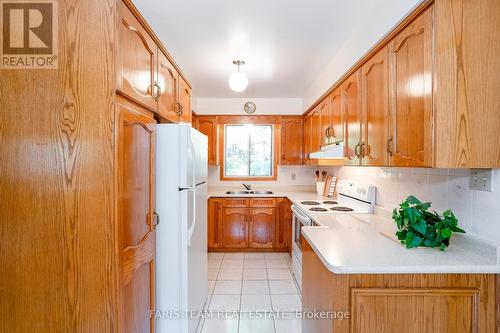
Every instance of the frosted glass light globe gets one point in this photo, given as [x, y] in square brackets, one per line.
[238, 81]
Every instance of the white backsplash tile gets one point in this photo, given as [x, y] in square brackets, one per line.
[478, 212]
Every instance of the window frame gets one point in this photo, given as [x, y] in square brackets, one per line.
[275, 148]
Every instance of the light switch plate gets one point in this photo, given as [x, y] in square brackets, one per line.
[481, 180]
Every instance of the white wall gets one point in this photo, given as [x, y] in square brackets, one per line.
[385, 15]
[234, 106]
[478, 212]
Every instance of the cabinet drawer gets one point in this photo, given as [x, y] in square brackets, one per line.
[236, 202]
[262, 202]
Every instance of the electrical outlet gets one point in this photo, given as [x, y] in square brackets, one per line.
[294, 176]
[481, 180]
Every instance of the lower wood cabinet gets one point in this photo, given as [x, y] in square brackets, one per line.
[234, 227]
[249, 223]
[261, 225]
[452, 303]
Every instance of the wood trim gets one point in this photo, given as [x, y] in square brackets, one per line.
[276, 149]
[155, 38]
[497, 287]
[372, 51]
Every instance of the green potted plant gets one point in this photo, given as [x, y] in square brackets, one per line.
[417, 226]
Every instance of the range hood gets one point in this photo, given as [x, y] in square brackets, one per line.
[334, 151]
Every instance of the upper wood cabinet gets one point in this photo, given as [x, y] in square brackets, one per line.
[208, 126]
[375, 113]
[291, 141]
[326, 121]
[410, 139]
[307, 137]
[184, 101]
[261, 228]
[336, 116]
[168, 82]
[351, 103]
[316, 132]
[466, 96]
[136, 223]
[234, 228]
[137, 61]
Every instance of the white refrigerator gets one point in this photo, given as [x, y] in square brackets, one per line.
[181, 236]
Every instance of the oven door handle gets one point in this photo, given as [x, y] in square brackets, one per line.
[301, 216]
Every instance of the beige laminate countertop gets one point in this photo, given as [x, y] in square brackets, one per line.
[354, 244]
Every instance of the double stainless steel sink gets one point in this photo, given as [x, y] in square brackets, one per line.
[249, 192]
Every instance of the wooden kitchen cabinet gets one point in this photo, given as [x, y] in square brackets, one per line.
[410, 141]
[184, 100]
[307, 137]
[168, 82]
[234, 228]
[283, 224]
[316, 133]
[257, 223]
[325, 120]
[291, 141]
[261, 227]
[208, 126]
[137, 61]
[351, 103]
[374, 105]
[336, 116]
[136, 218]
[214, 220]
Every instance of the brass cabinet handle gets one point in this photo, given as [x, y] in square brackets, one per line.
[156, 91]
[362, 150]
[356, 149]
[179, 110]
[156, 220]
[390, 146]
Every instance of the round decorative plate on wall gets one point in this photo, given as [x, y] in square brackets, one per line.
[250, 107]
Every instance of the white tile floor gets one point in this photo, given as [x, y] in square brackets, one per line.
[245, 285]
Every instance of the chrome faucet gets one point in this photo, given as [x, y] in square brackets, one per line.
[247, 186]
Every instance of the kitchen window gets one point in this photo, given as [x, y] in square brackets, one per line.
[248, 152]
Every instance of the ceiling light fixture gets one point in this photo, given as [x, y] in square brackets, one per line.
[238, 81]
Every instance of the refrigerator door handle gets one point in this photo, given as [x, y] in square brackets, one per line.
[187, 188]
[193, 222]
[193, 160]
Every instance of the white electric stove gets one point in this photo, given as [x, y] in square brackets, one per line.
[352, 198]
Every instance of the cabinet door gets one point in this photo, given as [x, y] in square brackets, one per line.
[291, 141]
[214, 222]
[168, 82]
[375, 113]
[307, 137]
[351, 96]
[184, 101]
[326, 121]
[261, 227]
[337, 116]
[411, 126]
[208, 126]
[135, 168]
[137, 52]
[316, 134]
[283, 222]
[234, 227]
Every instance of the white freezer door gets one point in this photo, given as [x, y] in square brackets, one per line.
[199, 143]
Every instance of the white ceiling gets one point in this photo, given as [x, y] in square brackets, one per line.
[285, 43]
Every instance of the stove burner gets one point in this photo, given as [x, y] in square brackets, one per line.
[310, 203]
[330, 202]
[342, 209]
[318, 209]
